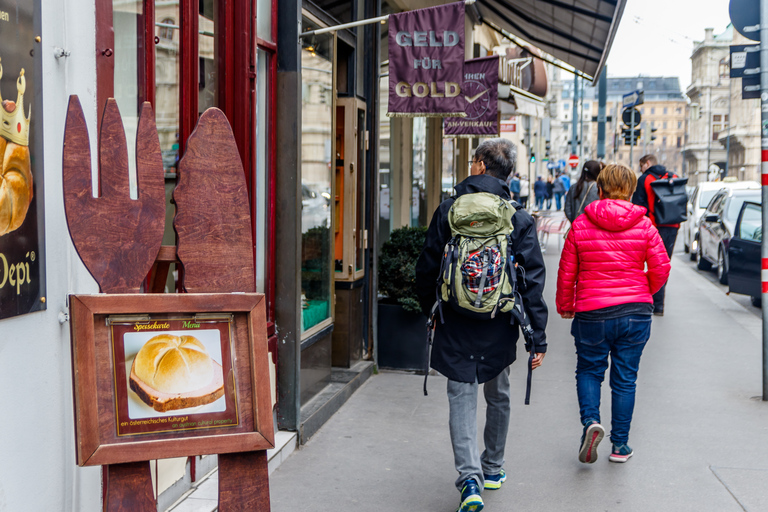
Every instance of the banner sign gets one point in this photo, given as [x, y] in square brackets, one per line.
[426, 62]
[481, 92]
[22, 229]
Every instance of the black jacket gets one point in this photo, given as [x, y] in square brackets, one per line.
[466, 349]
[640, 197]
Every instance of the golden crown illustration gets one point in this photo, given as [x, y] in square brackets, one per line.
[14, 126]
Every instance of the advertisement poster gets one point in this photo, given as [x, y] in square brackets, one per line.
[481, 91]
[22, 233]
[173, 375]
[426, 62]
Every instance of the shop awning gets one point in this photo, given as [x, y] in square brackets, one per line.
[578, 32]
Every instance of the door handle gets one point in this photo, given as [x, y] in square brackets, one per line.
[735, 250]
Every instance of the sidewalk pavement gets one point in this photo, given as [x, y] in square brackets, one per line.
[700, 431]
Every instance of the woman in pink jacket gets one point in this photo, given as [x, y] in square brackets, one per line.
[603, 285]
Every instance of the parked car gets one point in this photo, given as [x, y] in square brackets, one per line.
[717, 225]
[744, 253]
[697, 203]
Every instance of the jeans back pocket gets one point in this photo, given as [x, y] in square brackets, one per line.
[588, 332]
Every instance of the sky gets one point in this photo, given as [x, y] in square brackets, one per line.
[656, 37]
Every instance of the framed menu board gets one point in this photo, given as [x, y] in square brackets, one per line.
[169, 375]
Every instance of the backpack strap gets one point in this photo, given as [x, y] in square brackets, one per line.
[518, 313]
[651, 196]
[430, 338]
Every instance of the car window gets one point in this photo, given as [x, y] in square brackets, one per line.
[705, 197]
[751, 227]
[734, 206]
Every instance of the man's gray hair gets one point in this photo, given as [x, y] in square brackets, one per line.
[499, 156]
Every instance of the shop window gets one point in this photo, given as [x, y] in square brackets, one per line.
[419, 180]
[318, 198]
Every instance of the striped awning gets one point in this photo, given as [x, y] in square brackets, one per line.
[578, 32]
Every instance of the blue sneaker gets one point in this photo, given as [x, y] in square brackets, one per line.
[470, 497]
[593, 434]
[621, 453]
[495, 481]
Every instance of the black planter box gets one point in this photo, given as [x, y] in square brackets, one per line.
[402, 338]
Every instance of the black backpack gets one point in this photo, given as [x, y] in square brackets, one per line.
[670, 204]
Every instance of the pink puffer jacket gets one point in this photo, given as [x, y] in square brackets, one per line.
[605, 255]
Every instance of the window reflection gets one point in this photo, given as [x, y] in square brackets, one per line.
[316, 169]
[167, 82]
[207, 51]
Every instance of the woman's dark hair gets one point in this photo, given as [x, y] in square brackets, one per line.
[590, 172]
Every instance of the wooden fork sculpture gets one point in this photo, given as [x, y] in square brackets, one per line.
[118, 240]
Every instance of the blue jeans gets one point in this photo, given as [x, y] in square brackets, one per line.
[558, 199]
[624, 339]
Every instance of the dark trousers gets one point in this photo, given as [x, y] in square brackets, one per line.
[668, 236]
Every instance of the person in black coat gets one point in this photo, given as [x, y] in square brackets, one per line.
[470, 352]
[645, 197]
[540, 191]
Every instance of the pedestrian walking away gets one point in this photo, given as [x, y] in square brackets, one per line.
[644, 196]
[514, 187]
[540, 191]
[558, 188]
[524, 191]
[584, 192]
[550, 191]
[469, 350]
[603, 286]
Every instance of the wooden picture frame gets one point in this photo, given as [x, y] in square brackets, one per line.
[95, 400]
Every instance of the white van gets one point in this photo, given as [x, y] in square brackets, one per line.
[698, 202]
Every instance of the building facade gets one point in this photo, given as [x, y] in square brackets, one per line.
[710, 103]
[662, 124]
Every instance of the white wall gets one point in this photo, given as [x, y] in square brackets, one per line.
[38, 470]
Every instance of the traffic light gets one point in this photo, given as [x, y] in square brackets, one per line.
[653, 132]
[630, 136]
[533, 157]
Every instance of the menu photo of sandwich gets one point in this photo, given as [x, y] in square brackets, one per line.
[170, 375]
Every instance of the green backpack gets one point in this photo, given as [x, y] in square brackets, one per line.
[477, 275]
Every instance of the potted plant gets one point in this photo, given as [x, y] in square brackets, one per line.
[401, 324]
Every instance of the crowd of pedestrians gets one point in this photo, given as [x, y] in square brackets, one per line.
[490, 276]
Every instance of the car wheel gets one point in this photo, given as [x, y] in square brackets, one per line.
[722, 267]
[757, 301]
[694, 248]
[701, 263]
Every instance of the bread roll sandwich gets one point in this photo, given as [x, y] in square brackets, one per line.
[175, 372]
[15, 185]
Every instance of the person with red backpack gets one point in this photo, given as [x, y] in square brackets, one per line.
[646, 197]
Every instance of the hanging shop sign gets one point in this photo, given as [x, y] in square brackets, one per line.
[22, 242]
[426, 62]
[481, 92]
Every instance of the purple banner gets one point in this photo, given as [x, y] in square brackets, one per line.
[426, 62]
[481, 92]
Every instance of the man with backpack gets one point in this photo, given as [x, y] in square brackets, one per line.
[646, 197]
[480, 276]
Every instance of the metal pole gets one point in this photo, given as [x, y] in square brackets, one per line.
[602, 97]
[581, 122]
[357, 23]
[728, 142]
[709, 138]
[764, 179]
[574, 132]
[631, 136]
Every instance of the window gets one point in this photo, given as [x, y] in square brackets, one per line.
[679, 125]
[663, 141]
[679, 142]
[317, 197]
[166, 29]
[653, 111]
[719, 123]
[665, 110]
[566, 106]
[751, 227]
[664, 125]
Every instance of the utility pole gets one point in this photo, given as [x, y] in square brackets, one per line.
[764, 178]
[574, 132]
[602, 97]
[581, 123]
[728, 141]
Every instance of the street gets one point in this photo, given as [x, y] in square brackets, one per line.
[698, 430]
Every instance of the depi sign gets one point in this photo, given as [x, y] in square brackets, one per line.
[426, 62]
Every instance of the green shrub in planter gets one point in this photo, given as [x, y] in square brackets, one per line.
[397, 266]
